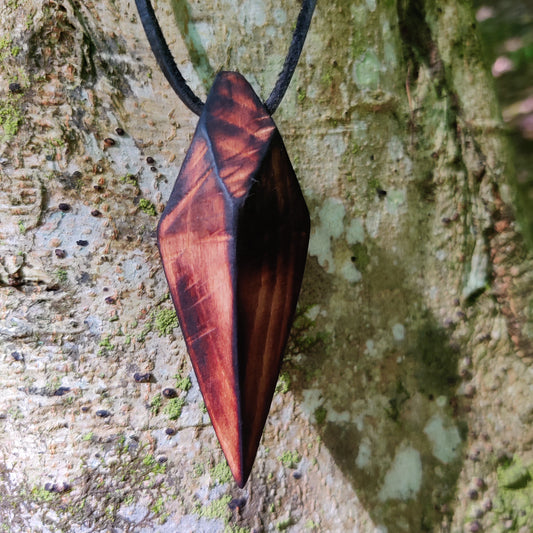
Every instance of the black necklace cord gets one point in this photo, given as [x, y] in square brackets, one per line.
[177, 82]
[164, 58]
[293, 55]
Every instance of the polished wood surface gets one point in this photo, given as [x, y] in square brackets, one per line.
[233, 241]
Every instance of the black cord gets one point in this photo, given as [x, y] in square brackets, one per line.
[293, 55]
[164, 57]
[177, 82]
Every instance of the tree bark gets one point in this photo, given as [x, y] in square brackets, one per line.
[405, 398]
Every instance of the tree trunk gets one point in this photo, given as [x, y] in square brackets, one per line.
[405, 398]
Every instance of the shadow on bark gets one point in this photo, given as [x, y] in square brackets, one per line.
[384, 405]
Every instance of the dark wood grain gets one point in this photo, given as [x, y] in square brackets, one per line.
[233, 241]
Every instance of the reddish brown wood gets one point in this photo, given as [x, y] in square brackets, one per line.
[233, 241]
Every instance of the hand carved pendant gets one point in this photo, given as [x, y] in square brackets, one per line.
[233, 240]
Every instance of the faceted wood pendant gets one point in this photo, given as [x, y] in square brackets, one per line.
[233, 240]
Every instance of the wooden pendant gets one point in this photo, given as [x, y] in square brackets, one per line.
[233, 240]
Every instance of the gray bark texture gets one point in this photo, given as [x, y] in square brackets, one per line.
[405, 400]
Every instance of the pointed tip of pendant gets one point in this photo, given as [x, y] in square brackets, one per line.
[241, 477]
[240, 482]
[239, 470]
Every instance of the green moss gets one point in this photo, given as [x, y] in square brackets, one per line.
[131, 179]
[122, 446]
[146, 329]
[183, 383]
[10, 117]
[290, 459]
[174, 407]
[41, 495]
[106, 345]
[15, 413]
[217, 509]
[106, 489]
[147, 207]
[154, 466]
[165, 321]
[232, 528]
[61, 275]
[284, 383]
[198, 469]
[326, 78]
[22, 227]
[360, 255]
[514, 500]
[307, 342]
[5, 48]
[513, 476]
[284, 524]
[52, 147]
[110, 512]
[302, 322]
[320, 415]
[372, 185]
[221, 473]
[128, 500]
[155, 404]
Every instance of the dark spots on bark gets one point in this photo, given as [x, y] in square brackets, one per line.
[142, 378]
[57, 488]
[84, 278]
[237, 503]
[70, 182]
[17, 356]
[15, 87]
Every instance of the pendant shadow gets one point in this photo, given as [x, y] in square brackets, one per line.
[379, 376]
